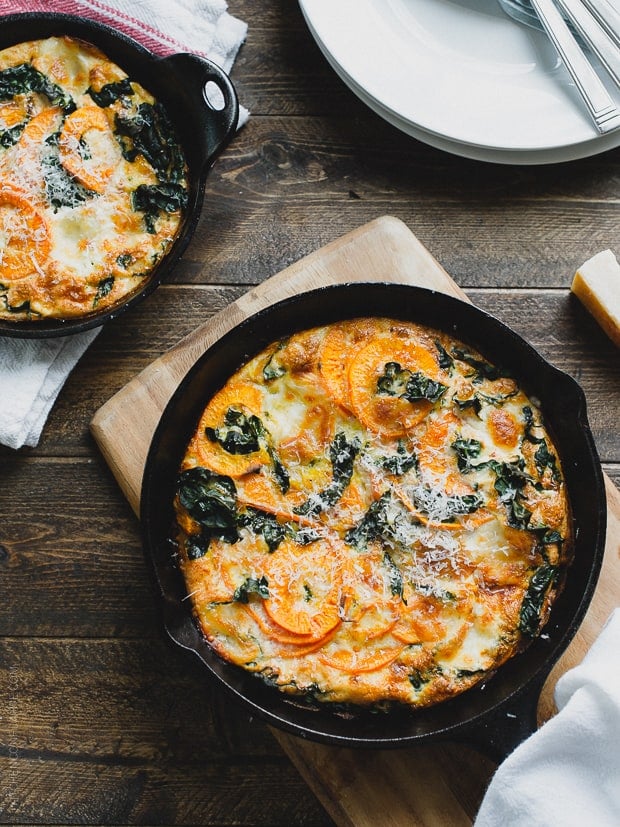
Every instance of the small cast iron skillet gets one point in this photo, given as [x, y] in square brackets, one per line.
[178, 82]
[494, 716]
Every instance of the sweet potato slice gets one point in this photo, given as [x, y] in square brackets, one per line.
[24, 236]
[356, 656]
[41, 127]
[340, 344]
[385, 414]
[93, 168]
[238, 396]
[304, 587]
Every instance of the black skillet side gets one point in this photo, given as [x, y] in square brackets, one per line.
[494, 716]
[178, 82]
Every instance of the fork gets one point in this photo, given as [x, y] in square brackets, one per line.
[603, 110]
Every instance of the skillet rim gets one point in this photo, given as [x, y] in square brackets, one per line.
[480, 726]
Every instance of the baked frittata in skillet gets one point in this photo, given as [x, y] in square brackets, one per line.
[93, 182]
[371, 512]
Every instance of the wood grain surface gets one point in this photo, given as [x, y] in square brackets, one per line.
[352, 785]
[102, 721]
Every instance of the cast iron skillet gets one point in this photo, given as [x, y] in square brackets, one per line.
[178, 82]
[494, 716]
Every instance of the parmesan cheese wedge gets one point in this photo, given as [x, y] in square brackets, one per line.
[597, 285]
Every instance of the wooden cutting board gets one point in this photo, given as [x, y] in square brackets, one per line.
[435, 785]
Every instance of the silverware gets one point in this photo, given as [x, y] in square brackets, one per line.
[601, 106]
[593, 35]
[607, 17]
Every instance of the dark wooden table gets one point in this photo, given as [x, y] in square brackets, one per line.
[101, 720]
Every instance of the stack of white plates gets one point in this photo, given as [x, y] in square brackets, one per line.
[459, 75]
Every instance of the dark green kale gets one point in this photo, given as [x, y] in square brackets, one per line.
[374, 525]
[250, 586]
[124, 260]
[418, 677]
[197, 545]
[400, 462]
[153, 199]
[395, 577]
[111, 92]
[17, 80]
[543, 458]
[12, 135]
[464, 404]
[466, 450]
[24, 307]
[274, 370]
[150, 133]
[401, 382]
[241, 434]
[342, 454]
[528, 418]
[104, 288]
[211, 500]
[303, 536]
[244, 434]
[445, 360]
[425, 499]
[264, 524]
[482, 368]
[531, 607]
[510, 480]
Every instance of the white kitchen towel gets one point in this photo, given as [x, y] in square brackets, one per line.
[32, 371]
[568, 773]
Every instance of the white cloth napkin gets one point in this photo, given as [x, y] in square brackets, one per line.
[568, 773]
[32, 371]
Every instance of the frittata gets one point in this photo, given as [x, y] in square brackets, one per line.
[371, 512]
[93, 182]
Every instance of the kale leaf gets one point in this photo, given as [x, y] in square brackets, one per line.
[241, 434]
[265, 524]
[103, 289]
[482, 368]
[342, 454]
[510, 480]
[16, 80]
[531, 607]
[395, 577]
[244, 434]
[445, 360]
[400, 462]
[211, 500]
[374, 524]
[153, 199]
[401, 382]
[111, 92]
[273, 369]
[150, 134]
[250, 586]
[12, 135]
[466, 450]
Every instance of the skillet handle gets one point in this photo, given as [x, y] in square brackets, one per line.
[217, 125]
[507, 726]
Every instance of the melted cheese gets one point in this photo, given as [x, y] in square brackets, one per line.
[373, 564]
[68, 179]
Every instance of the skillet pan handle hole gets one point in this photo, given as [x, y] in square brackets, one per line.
[213, 96]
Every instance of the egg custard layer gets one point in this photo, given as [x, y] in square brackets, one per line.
[371, 512]
[93, 182]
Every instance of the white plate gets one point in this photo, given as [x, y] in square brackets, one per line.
[461, 76]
